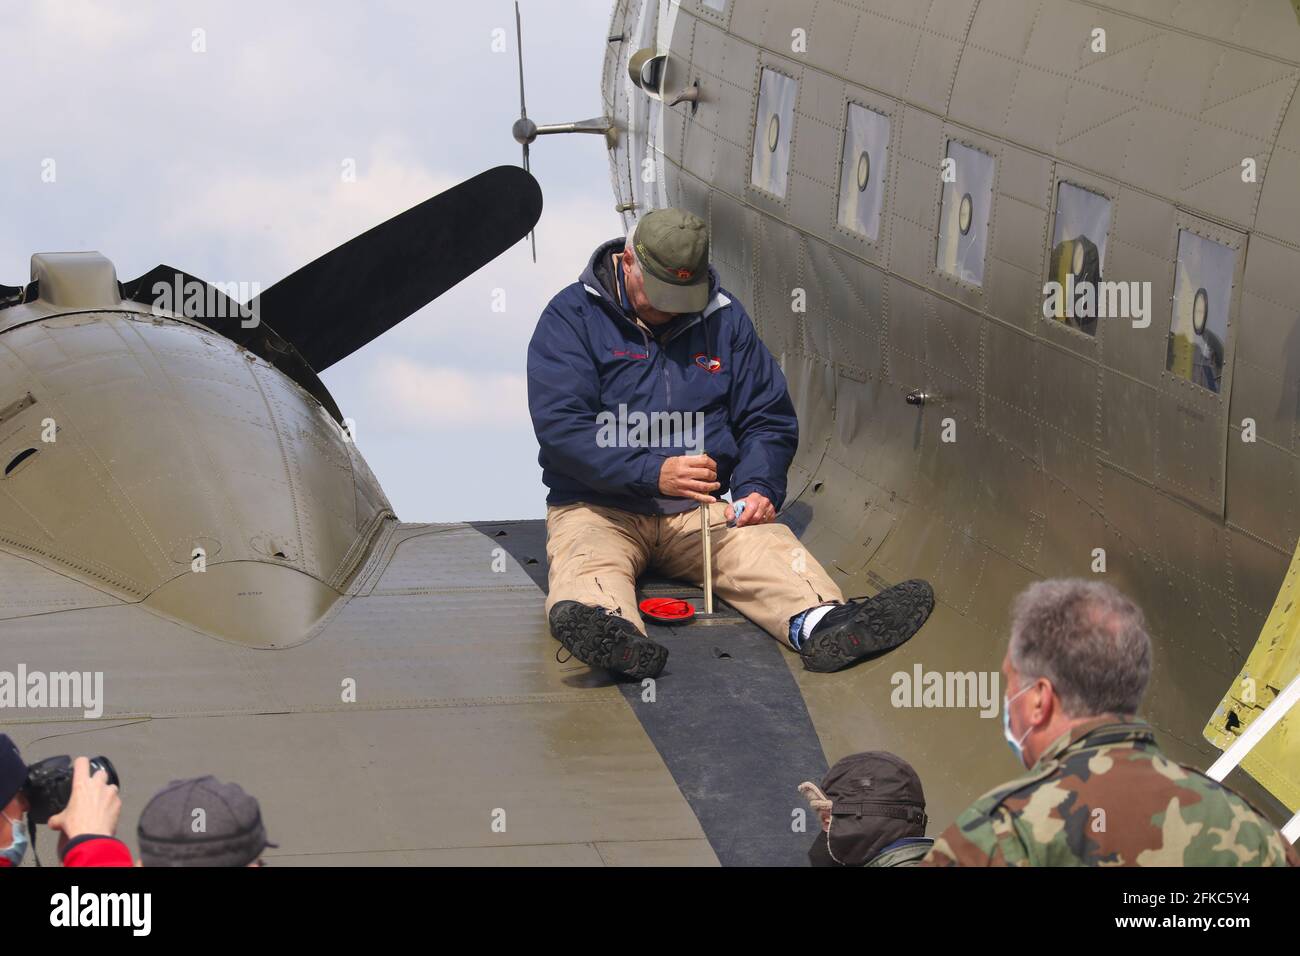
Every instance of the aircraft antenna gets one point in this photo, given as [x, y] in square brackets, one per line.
[525, 130]
[524, 126]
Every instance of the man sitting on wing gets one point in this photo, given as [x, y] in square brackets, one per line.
[634, 372]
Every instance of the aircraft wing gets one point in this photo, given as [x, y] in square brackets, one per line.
[428, 720]
[459, 712]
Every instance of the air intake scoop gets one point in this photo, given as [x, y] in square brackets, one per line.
[76, 280]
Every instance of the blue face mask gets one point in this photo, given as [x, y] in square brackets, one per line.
[1017, 746]
[16, 850]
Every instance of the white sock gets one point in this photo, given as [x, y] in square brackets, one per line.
[810, 620]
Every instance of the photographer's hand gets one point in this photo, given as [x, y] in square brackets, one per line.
[93, 807]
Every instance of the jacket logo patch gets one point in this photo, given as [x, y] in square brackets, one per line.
[624, 353]
[710, 365]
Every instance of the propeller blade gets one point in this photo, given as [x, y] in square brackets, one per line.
[13, 294]
[226, 318]
[333, 306]
[532, 233]
[523, 112]
[519, 47]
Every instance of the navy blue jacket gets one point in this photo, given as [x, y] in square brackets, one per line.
[599, 388]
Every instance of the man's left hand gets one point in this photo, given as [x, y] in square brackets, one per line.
[758, 510]
[93, 805]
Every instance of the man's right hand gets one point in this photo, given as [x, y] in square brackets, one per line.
[689, 476]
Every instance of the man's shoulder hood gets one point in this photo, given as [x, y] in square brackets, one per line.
[598, 275]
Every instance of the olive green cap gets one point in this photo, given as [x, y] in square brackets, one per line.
[672, 248]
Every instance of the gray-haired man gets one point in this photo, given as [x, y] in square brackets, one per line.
[1099, 791]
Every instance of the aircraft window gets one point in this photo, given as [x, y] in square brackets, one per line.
[964, 222]
[1079, 253]
[863, 166]
[717, 6]
[1198, 328]
[771, 163]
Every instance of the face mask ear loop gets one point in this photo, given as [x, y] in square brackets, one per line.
[829, 851]
[1019, 745]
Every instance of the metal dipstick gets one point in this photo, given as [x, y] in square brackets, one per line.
[708, 558]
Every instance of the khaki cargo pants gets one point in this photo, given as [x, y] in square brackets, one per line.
[596, 555]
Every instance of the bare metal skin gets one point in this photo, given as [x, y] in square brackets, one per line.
[329, 648]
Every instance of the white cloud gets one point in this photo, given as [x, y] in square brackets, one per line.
[282, 221]
[90, 24]
[227, 164]
[410, 394]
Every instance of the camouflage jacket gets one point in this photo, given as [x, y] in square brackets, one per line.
[1104, 795]
[906, 853]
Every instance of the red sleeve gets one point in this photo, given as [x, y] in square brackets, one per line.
[96, 851]
[4, 861]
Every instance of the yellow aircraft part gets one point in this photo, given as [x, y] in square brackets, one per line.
[1274, 662]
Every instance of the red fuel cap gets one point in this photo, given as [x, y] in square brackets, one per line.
[667, 610]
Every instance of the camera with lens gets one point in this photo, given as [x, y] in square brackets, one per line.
[49, 784]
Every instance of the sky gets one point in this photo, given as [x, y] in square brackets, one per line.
[213, 137]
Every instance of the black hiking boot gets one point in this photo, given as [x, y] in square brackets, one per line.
[601, 639]
[857, 630]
